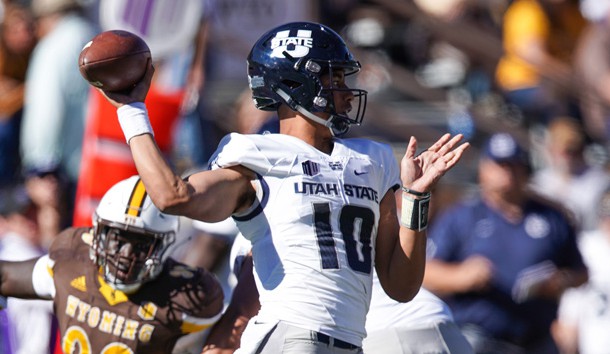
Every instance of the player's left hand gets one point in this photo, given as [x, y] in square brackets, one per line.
[423, 171]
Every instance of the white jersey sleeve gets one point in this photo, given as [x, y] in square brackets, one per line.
[314, 226]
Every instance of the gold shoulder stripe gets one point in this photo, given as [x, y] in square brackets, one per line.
[136, 200]
[192, 324]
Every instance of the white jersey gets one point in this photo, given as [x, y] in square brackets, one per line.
[422, 311]
[423, 325]
[314, 227]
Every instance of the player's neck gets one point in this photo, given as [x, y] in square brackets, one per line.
[310, 132]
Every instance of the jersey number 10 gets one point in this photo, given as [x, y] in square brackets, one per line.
[356, 226]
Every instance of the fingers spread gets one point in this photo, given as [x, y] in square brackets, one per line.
[456, 154]
[439, 143]
[450, 144]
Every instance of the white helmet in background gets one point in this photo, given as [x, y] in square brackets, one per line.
[130, 236]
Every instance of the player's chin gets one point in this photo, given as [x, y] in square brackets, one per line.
[123, 272]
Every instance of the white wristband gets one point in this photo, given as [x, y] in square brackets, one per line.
[134, 121]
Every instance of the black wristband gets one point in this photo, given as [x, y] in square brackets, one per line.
[415, 193]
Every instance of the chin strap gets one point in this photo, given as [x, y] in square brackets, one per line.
[329, 123]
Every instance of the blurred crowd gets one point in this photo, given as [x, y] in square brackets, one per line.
[537, 70]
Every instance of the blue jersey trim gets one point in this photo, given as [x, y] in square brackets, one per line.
[259, 208]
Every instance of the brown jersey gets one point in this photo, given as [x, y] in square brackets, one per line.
[95, 318]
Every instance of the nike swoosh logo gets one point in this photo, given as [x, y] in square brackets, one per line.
[358, 173]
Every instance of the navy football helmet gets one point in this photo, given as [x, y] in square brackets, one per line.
[285, 66]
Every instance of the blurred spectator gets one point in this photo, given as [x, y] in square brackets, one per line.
[566, 173]
[434, 51]
[592, 67]
[17, 40]
[450, 63]
[595, 245]
[584, 313]
[501, 261]
[536, 73]
[583, 320]
[46, 191]
[30, 322]
[56, 95]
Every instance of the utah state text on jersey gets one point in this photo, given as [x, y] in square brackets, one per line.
[350, 190]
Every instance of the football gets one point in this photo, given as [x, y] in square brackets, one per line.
[114, 60]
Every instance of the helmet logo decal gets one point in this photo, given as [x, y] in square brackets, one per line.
[136, 199]
[297, 46]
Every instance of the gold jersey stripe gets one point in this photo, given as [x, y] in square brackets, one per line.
[193, 327]
[136, 200]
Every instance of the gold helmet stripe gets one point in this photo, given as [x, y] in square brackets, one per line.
[136, 200]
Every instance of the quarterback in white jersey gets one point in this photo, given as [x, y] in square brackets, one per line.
[320, 211]
[314, 232]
